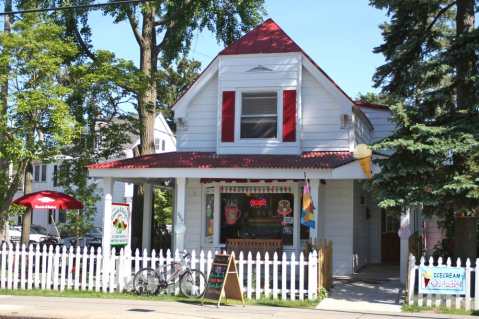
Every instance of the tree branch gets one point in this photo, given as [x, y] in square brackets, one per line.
[82, 43]
[438, 15]
[134, 28]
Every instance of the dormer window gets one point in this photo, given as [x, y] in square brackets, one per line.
[259, 115]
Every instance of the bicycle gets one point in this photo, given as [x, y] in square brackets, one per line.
[149, 281]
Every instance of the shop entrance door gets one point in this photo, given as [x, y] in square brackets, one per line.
[390, 242]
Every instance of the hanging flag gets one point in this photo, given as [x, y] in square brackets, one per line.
[307, 212]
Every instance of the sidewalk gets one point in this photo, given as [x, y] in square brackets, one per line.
[82, 308]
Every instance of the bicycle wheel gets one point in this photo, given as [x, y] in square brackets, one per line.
[192, 283]
[146, 282]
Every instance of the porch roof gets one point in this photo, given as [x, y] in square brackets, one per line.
[306, 160]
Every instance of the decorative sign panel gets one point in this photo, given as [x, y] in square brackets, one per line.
[120, 223]
[255, 189]
[442, 280]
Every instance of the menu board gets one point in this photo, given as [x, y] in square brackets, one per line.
[223, 279]
[217, 277]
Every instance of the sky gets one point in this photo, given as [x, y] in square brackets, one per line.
[338, 34]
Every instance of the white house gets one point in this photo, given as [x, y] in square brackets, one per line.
[261, 117]
[44, 178]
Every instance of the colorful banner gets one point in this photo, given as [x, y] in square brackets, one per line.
[442, 280]
[120, 223]
[307, 211]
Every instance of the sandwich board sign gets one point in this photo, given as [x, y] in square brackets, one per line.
[223, 280]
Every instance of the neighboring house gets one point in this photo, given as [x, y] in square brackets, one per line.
[260, 117]
[45, 178]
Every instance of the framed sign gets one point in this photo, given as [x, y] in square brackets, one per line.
[120, 224]
[442, 280]
[223, 280]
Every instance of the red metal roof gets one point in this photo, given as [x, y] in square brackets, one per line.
[267, 37]
[307, 160]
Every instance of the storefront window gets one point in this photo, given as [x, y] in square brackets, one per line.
[257, 216]
[209, 210]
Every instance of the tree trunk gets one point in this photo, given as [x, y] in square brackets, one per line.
[27, 217]
[148, 66]
[465, 64]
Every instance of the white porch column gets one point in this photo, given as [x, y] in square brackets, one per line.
[107, 210]
[179, 220]
[314, 185]
[147, 216]
[404, 234]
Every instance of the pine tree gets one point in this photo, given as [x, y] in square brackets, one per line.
[431, 68]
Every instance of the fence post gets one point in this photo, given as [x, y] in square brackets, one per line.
[56, 267]
[275, 275]
[411, 279]
[258, 276]
[91, 265]
[448, 297]
[458, 297]
[241, 269]
[476, 285]
[30, 267]
[84, 265]
[312, 274]
[301, 276]
[429, 296]
[284, 263]
[439, 297]
[292, 283]
[3, 259]
[467, 301]
[23, 267]
[63, 265]
[99, 265]
[249, 276]
[16, 264]
[266, 275]
[50, 267]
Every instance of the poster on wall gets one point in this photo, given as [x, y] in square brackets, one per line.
[442, 280]
[120, 223]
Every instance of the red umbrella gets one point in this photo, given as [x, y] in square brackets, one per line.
[49, 200]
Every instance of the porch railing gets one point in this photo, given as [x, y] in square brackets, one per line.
[285, 276]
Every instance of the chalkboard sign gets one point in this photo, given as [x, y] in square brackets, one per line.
[223, 280]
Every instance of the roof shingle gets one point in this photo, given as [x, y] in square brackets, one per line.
[307, 160]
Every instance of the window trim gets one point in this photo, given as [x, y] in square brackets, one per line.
[239, 112]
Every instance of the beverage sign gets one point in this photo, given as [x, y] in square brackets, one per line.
[120, 223]
[442, 280]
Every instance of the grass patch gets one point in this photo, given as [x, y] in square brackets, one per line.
[132, 296]
[439, 310]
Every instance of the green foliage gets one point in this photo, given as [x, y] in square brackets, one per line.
[36, 122]
[435, 150]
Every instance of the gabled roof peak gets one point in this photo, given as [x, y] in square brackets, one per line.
[267, 37]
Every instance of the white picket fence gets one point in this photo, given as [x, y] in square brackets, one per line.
[59, 268]
[468, 301]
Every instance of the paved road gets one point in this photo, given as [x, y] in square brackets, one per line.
[78, 308]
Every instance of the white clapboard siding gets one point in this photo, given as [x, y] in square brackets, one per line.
[381, 120]
[199, 132]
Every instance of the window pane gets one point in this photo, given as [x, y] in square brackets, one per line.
[44, 173]
[259, 103]
[210, 208]
[262, 127]
[259, 115]
[36, 172]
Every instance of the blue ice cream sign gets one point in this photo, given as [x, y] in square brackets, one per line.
[442, 280]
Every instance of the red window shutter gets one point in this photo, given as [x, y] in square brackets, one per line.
[289, 115]
[228, 117]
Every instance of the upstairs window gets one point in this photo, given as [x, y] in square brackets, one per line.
[259, 115]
